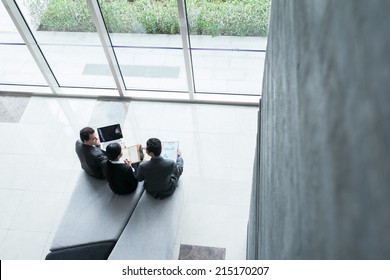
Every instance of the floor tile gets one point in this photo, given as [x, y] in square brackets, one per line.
[36, 211]
[12, 108]
[23, 245]
[145, 115]
[61, 208]
[179, 117]
[75, 112]
[235, 254]
[9, 203]
[214, 149]
[200, 227]
[3, 233]
[61, 142]
[46, 248]
[215, 119]
[218, 192]
[41, 111]
[60, 111]
[108, 112]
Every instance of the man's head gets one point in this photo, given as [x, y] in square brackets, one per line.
[88, 136]
[113, 151]
[153, 145]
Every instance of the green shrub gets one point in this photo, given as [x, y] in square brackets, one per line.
[158, 17]
[63, 15]
[205, 17]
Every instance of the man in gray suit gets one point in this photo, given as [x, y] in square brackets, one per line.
[90, 155]
[160, 175]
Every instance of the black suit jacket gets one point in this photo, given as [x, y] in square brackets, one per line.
[160, 176]
[120, 177]
[91, 159]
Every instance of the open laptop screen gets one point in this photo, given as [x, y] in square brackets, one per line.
[110, 133]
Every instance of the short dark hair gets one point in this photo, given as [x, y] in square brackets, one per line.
[153, 145]
[113, 150]
[85, 132]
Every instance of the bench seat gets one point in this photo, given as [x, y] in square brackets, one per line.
[152, 233]
[93, 220]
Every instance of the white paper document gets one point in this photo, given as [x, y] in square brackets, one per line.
[169, 149]
[132, 154]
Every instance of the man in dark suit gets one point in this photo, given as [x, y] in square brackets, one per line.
[120, 175]
[90, 155]
[160, 175]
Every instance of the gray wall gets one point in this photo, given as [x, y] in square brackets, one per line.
[322, 179]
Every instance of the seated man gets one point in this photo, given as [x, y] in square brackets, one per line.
[160, 175]
[89, 152]
[120, 175]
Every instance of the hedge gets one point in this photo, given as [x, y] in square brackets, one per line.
[205, 17]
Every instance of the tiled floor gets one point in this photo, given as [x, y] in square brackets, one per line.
[38, 165]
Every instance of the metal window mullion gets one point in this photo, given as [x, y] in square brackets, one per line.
[31, 44]
[186, 47]
[107, 46]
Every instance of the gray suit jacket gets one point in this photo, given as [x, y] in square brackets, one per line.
[160, 175]
[91, 159]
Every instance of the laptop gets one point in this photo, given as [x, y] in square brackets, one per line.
[110, 134]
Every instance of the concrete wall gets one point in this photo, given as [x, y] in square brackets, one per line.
[323, 190]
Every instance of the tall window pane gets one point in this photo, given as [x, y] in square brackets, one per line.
[146, 39]
[228, 40]
[67, 37]
[17, 65]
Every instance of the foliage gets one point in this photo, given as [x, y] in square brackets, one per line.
[228, 17]
[205, 17]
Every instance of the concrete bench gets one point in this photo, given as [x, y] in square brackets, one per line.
[153, 229]
[93, 220]
[99, 225]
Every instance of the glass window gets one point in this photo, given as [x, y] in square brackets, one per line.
[228, 44]
[17, 65]
[67, 37]
[147, 43]
[228, 71]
